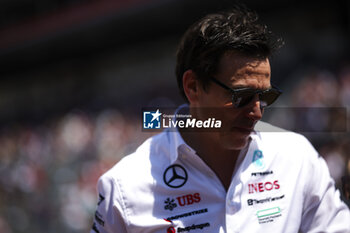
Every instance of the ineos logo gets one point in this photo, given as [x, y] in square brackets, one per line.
[263, 186]
[175, 176]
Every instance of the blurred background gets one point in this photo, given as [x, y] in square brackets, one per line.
[74, 75]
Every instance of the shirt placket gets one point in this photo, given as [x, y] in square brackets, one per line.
[213, 183]
[234, 195]
[233, 205]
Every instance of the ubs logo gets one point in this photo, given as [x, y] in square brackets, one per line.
[189, 199]
[175, 176]
[184, 200]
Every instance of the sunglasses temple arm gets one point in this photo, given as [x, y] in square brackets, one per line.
[275, 87]
[221, 84]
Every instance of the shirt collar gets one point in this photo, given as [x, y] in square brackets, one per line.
[176, 143]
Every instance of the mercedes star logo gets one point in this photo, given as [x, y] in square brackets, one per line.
[175, 176]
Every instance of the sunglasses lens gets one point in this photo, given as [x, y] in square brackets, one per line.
[244, 97]
[269, 96]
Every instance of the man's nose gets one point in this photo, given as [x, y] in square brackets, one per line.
[254, 109]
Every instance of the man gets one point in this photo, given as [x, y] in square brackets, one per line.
[233, 180]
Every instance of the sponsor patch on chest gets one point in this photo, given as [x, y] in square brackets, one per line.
[263, 186]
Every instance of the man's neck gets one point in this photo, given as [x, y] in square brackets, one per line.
[222, 161]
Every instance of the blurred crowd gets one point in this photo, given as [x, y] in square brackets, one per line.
[48, 171]
[319, 108]
[322, 89]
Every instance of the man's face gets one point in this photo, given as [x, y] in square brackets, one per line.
[235, 71]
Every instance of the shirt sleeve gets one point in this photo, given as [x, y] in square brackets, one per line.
[323, 209]
[109, 216]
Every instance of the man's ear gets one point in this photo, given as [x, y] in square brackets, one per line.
[191, 86]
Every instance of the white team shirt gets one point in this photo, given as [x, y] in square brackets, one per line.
[280, 184]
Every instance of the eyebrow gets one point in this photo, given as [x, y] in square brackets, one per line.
[239, 86]
[230, 89]
[252, 72]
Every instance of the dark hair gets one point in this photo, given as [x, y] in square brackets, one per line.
[204, 43]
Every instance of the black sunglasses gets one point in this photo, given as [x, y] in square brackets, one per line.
[243, 96]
